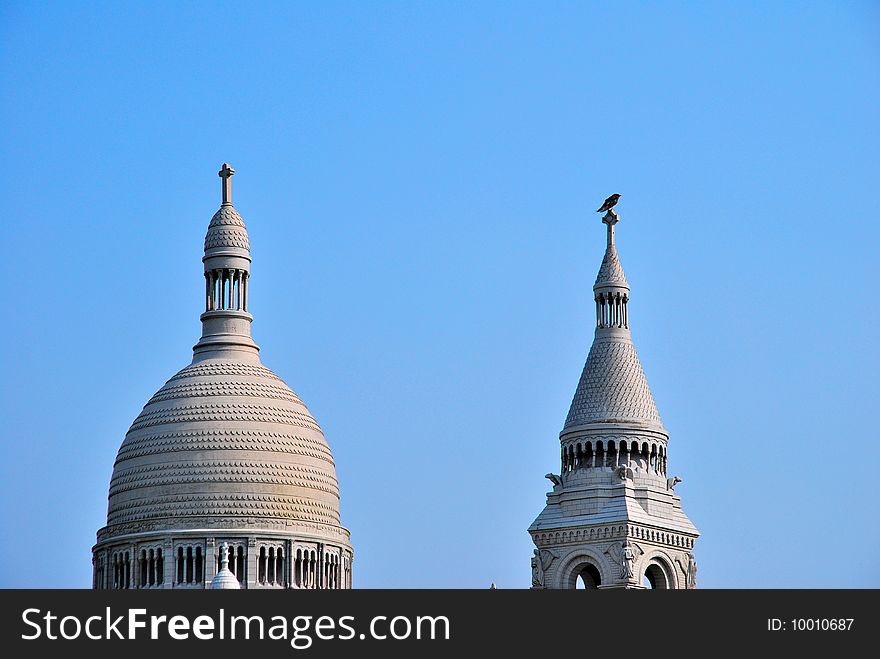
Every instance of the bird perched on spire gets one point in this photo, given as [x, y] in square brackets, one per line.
[610, 203]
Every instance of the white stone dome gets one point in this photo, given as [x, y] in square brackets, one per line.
[224, 456]
[225, 441]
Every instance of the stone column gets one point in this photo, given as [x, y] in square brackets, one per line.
[135, 569]
[210, 561]
[251, 563]
[168, 563]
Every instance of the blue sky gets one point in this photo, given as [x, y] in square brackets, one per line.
[419, 181]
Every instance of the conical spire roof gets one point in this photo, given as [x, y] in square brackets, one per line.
[611, 272]
[613, 388]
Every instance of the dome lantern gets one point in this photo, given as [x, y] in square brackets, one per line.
[226, 322]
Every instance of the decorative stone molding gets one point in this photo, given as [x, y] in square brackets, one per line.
[239, 412]
[222, 440]
[223, 471]
[570, 564]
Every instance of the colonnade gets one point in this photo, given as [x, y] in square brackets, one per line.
[226, 289]
[611, 310]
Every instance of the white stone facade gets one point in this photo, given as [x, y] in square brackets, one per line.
[613, 519]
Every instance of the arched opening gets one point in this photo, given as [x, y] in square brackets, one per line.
[199, 565]
[583, 575]
[655, 577]
[586, 577]
[279, 567]
[142, 564]
[240, 572]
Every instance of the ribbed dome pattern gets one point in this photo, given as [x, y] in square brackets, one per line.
[224, 439]
[226, 230]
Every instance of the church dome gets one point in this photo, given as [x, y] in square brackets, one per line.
[225, 453]
[224, 440]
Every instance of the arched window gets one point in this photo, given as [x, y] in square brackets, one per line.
[143, 578]
[270, 567]
[279, 566]
[160, 568]
[241, 572]
[127, 577]
[199, 565]
[181, 574]
[151, 568]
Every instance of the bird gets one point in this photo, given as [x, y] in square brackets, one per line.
[610, 203]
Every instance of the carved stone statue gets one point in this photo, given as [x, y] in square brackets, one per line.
[688, 565]
[692, 571]
[537, 572]
[553, 478]
[625, 556]
[672, 482]
[541, 561]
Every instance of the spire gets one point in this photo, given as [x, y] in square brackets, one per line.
[613, 387]
[612, 501]
[226, 322]
[611, 289]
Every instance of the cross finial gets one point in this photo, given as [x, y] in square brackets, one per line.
[224, 555]
[610, 218]
[226, 173]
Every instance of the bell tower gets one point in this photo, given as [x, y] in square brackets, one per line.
[613, 519]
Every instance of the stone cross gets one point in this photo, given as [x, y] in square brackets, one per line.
[226, 173]
[610, 218]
